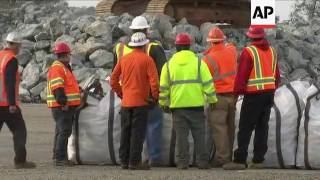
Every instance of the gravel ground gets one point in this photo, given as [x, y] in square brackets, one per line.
[40, 132]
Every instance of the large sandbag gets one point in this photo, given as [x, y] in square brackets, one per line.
[283, 125]
[96, 135]
[308, 155]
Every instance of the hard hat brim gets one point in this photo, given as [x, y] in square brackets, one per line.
[256, 36]
[139, 27]
[215, 40]
[11, 41]
[134, 44]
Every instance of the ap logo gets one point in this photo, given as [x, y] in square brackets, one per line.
[263, 13]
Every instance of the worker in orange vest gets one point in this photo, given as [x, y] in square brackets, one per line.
[10, 113]
[257, 79]
[63, 96]
[222, 62]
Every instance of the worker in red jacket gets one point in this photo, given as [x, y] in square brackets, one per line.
[257, 79]
[138, 75]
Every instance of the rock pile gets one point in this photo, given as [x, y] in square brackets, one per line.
[93, 38]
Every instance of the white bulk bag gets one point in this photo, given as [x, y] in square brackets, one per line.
[308, 155]
[283, 125]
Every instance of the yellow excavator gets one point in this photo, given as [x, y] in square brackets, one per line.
[233, 12]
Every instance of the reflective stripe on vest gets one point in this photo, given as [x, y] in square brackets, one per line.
[259, 81]
[217, 75]
[191, 81]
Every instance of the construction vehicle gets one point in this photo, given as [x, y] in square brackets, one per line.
[234, 12]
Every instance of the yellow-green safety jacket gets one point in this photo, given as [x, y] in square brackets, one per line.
[185, 82]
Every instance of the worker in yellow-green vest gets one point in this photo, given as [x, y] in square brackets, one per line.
[185, 82]
[156, 52]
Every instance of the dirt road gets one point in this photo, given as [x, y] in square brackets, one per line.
[40, 133]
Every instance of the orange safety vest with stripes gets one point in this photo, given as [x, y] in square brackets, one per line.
[222, 65]
[60, 76]
[6, 56]
[263, 73]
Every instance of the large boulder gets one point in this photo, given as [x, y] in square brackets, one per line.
[44, 44]
[24, 57]
[40, 56]
[29, 45]
[42, 36]
[98, 29]
[24, 95]
[102, 59]
[83, 22]
[28, 31]
[83, 73]
[35, 91]
[31, 75]
[66, 38]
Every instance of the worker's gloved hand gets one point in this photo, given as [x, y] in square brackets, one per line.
[65, 108]
[13, 109]
[165, 109]
[212, 106]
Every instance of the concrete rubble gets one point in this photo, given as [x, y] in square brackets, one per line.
[93, 38]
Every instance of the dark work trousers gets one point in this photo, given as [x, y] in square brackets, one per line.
[254, 116]
[185, 120]
[133, 132]
[63, 120]
[16, 125]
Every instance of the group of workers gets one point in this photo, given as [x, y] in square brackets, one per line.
[186, 86]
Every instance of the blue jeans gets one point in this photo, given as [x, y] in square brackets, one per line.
[153, 137]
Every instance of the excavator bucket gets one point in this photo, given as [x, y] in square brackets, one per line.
[233, 12]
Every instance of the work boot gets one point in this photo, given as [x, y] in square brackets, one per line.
[216, 164]
[183, 166]
[124, 166]
[25, 165]
[63, 163]
[234, 166]
[204, 166]
[253, 165]
[139, 166]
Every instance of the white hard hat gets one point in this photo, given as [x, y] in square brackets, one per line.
[138, 39]
[139, 22]
[13, 37]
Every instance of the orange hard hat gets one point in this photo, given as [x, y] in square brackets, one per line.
[183, 39]
[61, 47]
[216, 35]
[256, 33]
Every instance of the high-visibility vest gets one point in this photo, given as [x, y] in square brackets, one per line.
[60, 76]
[222, 65]
[263, 73]
[185, 81]
[6, 56]
[122, 49]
